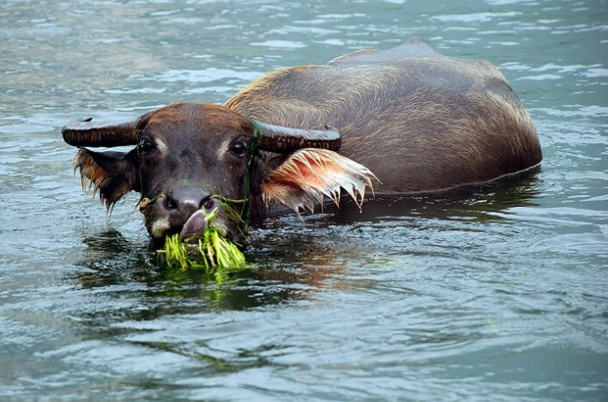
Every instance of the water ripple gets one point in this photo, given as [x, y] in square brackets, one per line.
[498, 294]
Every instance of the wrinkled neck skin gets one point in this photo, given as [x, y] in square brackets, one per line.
[256, 206]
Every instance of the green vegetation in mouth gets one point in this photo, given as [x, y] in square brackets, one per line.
[211, 251]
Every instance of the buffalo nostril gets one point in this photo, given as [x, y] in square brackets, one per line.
[170, 203]
[208, 203]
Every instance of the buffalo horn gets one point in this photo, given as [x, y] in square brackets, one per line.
[86, 133]
[281, 139]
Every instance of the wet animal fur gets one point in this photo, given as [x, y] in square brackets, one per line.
[421, 121]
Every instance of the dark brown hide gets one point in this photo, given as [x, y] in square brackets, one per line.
[421, 121]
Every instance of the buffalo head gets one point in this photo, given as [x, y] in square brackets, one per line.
[191, 159]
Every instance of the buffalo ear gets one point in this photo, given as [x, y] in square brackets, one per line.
[308, 175]
[113, 174]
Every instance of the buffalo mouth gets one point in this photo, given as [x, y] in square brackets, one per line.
[193, 231]
[194, 227]
[190, 223]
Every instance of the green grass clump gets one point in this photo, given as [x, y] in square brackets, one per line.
[211, 252]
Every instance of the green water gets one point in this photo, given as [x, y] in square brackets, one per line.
[496, 295]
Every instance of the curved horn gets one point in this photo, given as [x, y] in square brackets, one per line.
[86, 133]
[284, 139]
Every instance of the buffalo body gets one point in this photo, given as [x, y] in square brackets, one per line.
[405, 120]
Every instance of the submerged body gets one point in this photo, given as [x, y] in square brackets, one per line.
[420, 121]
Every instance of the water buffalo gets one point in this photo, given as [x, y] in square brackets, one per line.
[420, 121]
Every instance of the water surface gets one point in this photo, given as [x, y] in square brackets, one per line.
[500, 293]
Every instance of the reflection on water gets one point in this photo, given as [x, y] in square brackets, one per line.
[493, 293]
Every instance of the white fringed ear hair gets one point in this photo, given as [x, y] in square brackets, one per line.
[310, 174]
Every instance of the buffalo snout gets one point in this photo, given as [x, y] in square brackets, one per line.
[181, 209]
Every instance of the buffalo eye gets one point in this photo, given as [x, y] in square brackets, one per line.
[146, 145]
[239, 148]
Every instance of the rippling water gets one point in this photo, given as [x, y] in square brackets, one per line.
[500, 294]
